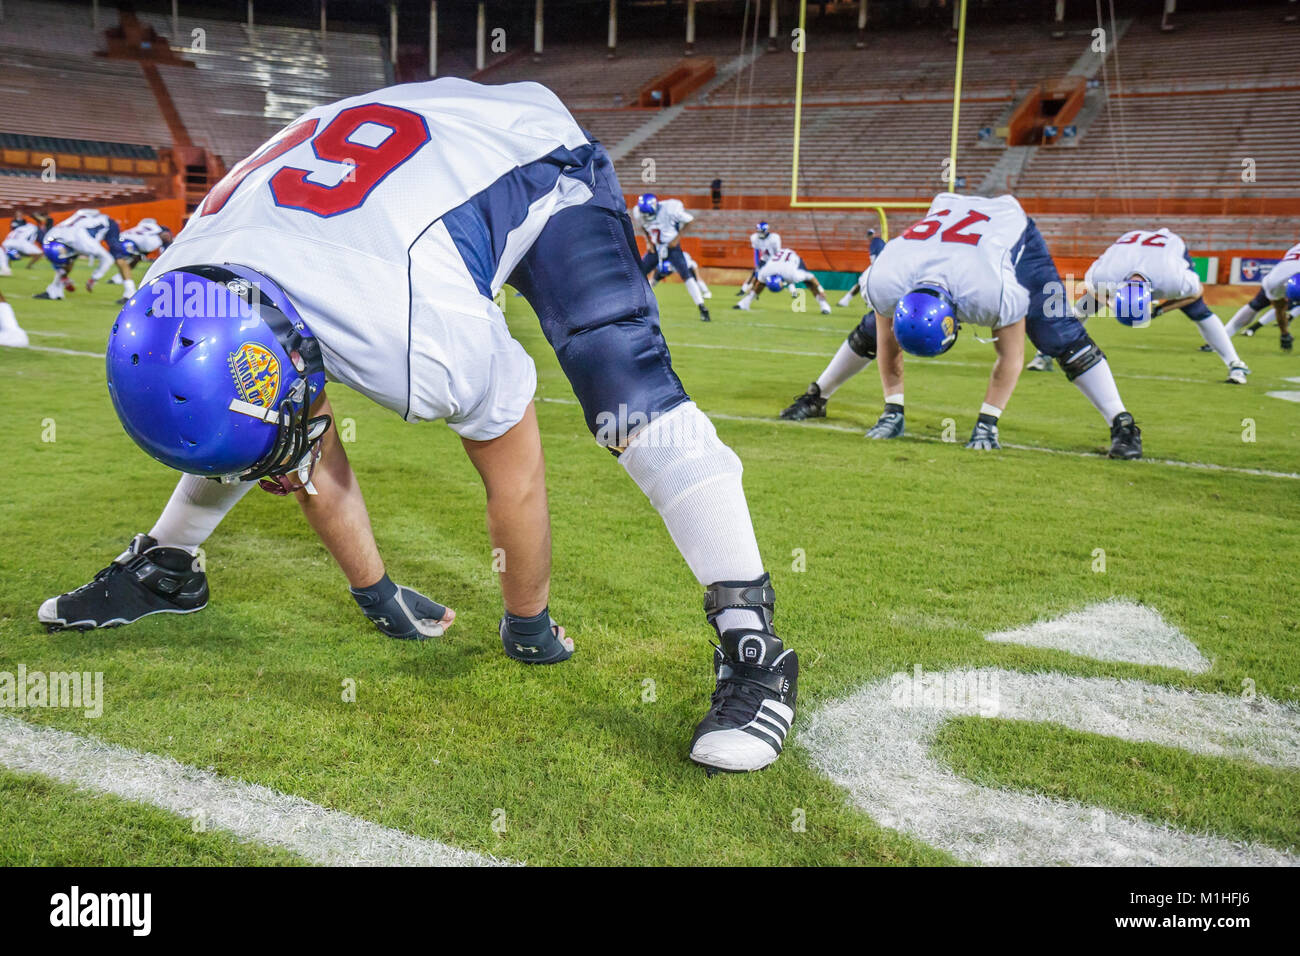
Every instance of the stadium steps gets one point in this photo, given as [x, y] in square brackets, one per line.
[1004, 175]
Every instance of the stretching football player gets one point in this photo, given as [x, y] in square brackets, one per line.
[1279, 290]
[139, 242]
[663, 224]
[81, 234]
[765, 244]
[875, 245]
[984, 262]
[666, 269]
[11, 333]
[1144, 274]
[786, 268]
[21, 242]
[460, 188]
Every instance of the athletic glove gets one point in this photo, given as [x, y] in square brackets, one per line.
[984, 437]
[399, 612]
[1286, 340]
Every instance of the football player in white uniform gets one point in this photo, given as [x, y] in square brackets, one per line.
[457, 189]
[666, 269]
[1279, 292]
[662, 223]
[81, 234]
[1142, 266]
[12, 334]
[20, 242]
[765, 244]
[783, 268]
[980, 261]
[139, 242]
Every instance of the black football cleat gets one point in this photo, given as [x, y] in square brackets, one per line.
[888, 425]
[1125, 438]
[704, 314]
[144, 579]
[753, 703]
[808, 405]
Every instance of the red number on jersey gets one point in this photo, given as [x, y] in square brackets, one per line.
[407, 132]
[1155, 239]
[1290, 256]
[285, 141]
[928, 226]
[1129, 238]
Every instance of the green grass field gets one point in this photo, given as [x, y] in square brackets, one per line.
[913, 550]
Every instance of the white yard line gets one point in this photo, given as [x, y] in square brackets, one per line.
[248, 811]
[855, 430]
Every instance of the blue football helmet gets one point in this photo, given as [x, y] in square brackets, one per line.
[1133, 303]
[925, 322]
[775, 283]
[1292, 290]
[59, 254]
[763, 229]
[213, 372]
[648, 203]
[665, 268]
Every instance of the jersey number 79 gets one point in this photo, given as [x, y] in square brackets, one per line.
[368, 164]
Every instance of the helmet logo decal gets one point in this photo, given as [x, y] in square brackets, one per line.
[256, 373]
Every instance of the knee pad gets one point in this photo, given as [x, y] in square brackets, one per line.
[1198, 311]
[1260, 301]
[675, 454]
[1079, 356]
[863, 338]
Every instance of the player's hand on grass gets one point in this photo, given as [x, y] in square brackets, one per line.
[401, 612]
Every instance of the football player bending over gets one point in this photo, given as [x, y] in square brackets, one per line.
[81, 234]
[765, 244]
[21, 242]
[140, 241]
[11, 333]
[666, 269]
[980, 261]
[786, 268]
[663, 224]
[1143, 266]
[412, 325]
[1279, 289]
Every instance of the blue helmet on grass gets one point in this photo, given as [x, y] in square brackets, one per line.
[1133, 303]
[924, 321]
[213, 372]
[648, 203]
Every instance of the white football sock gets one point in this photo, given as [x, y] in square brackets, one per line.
[846, 364]
[1216, 338]
[1098, 385]
[11, 333]
[4, 264]
[128, 288]
[694, 482]
[693, 288]
[746, 300]
[7, 319]
[195, 509]
[1240, 320]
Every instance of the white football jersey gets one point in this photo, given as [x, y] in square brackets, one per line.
[23, 239]
[146, 235]
[1277, 276]
[664, 226]
[83, 232]
[1159, 256]
[767, 247]
[964, 246]
[346, 209]
[785, 264]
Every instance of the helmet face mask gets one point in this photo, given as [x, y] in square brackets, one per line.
[925, 322]
[213, 373]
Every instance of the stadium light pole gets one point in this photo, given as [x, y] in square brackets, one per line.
[538, 16]
[862, 25]
[613, 29]
[480, 38]
[690, 27]
[433, 38]
[771, 25]
[250, 16]
[392, 33]
[322, 21]
[1059, 32]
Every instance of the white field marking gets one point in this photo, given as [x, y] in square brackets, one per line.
[1285, 396]
[51, 335]
[249, 811]
[951, 363]
[857, 430]
[1295, 379]
[879, 751]
[1114, 630]
[51, 348]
